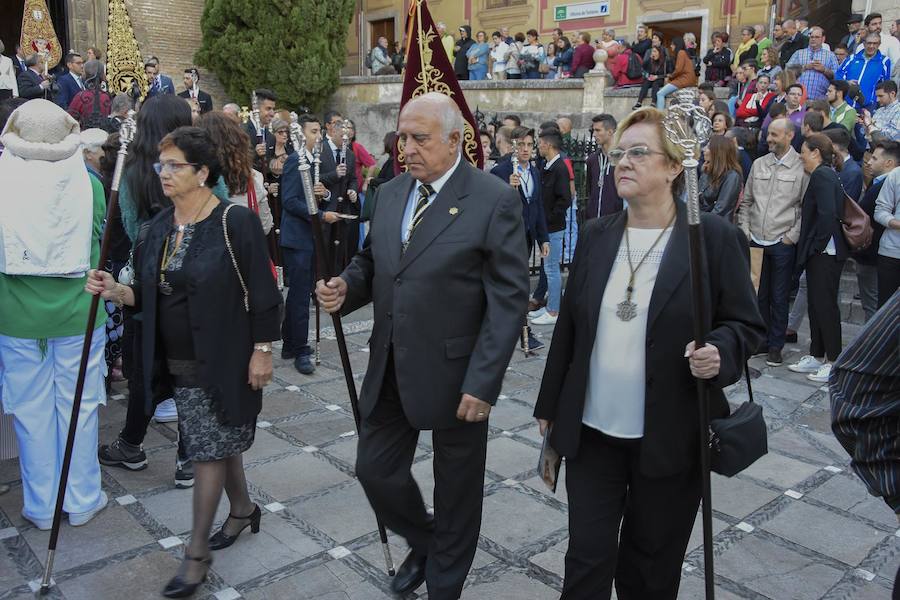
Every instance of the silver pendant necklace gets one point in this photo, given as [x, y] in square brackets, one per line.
[626, 310]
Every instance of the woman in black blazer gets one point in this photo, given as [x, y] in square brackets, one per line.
[821, 250]
[619, 389]
[188, 283]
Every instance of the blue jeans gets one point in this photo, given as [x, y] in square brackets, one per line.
[295, 329]
[551, 269]
[477, 72]
[661, 95]
[732, 105]
[774, 288]
[533, 75]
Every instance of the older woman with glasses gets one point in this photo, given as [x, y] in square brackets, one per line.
[618, 397]
[204, 263]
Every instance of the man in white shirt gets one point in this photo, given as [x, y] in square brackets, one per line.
[499, 56]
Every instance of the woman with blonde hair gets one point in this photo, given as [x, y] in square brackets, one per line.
[618, 398]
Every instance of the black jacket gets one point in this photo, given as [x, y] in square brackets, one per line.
[869, 256]
[610, 202]
[721, 199]
[203, 99]
[556, 194]
[718, 64]
[461, 62]
[223, 331]
[798, 42]
[532, 209]
[29, 84]
[823, 207]
[671, 431]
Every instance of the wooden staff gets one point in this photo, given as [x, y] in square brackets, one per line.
[126, 134]
[324, 269]
[688, 127]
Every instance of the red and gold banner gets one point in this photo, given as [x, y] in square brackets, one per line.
[428, 69]
[38, 35]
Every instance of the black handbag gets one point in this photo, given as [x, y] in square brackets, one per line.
[740, 439]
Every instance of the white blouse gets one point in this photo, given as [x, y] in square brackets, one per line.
[616, 377]
[265, 212]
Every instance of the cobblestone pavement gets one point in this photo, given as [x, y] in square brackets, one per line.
[796, 525]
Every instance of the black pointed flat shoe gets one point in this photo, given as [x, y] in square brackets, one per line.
[179, 588]
[221, 539]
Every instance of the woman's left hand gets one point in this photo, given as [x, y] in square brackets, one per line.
[705, 362]
[260, 370]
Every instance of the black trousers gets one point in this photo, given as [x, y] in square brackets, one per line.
[387, 444]
[888, 278]
[823, 280]
[606, 488]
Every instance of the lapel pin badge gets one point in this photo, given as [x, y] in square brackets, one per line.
[453, 210]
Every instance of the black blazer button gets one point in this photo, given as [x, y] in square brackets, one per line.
[389, 315]
[397, 281]
[649, 382]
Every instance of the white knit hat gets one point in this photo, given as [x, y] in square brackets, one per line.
[41, 130]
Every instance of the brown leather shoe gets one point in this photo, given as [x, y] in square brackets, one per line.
[535, 304]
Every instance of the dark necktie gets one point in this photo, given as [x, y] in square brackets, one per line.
[425, 192]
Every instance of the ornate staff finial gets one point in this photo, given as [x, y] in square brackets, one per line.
[689, 128]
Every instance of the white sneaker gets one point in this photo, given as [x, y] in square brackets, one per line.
[807, 364]
[77, 520]
[534, 314]
[822, 374]
[545, 319]
[166, 412]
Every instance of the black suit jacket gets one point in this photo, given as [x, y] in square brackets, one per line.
[203, 99]
[822, 209]
[450, 307]
[68, 89]
[29, 84]
[869, 256]
[671, 430]
[338, 186]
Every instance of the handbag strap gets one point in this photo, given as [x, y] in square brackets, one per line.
[747, 376]
[252, 202]
[233, 259]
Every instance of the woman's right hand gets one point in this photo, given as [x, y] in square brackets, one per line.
[100, 282]
[543, 424]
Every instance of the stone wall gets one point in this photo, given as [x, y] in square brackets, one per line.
[374, 102]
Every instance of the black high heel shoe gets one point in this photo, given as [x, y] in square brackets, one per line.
[221, 539]
[179, 588]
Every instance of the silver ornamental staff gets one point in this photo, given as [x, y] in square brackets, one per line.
[126, 134]
[688, 127]
[515, 165]
[338, 227]
[317, 161]
[324, 262]
[603, 163]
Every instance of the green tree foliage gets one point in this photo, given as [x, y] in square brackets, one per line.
[294, 47]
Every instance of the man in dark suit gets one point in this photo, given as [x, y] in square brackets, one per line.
[885, 157]
[851, 174]
[340, 180]
[261, 138]
[298, 252]
[526, 178]
[193, 92]
[32, 83]
[795, 41]
[19, 60]
[71, 83]
[602, 200]
[444, 268]
[159, 83]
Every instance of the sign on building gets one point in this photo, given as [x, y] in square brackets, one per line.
[584, 10]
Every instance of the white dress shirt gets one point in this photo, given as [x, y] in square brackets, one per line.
[411, 201]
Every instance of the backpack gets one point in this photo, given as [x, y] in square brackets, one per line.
[635, 68]
[368, 59]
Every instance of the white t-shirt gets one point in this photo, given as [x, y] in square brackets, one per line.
[500, 53]
[616, 378]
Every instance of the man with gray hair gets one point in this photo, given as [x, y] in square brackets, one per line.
[444, 269]
[32, 83]
[762, 42]
[447, 40]
[118, 110]
[380, 59]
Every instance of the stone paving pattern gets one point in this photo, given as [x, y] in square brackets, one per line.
[795, 525]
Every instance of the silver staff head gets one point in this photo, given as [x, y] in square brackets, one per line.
[297, 137]
[688, 127]
[311, 205]
[126, 134]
